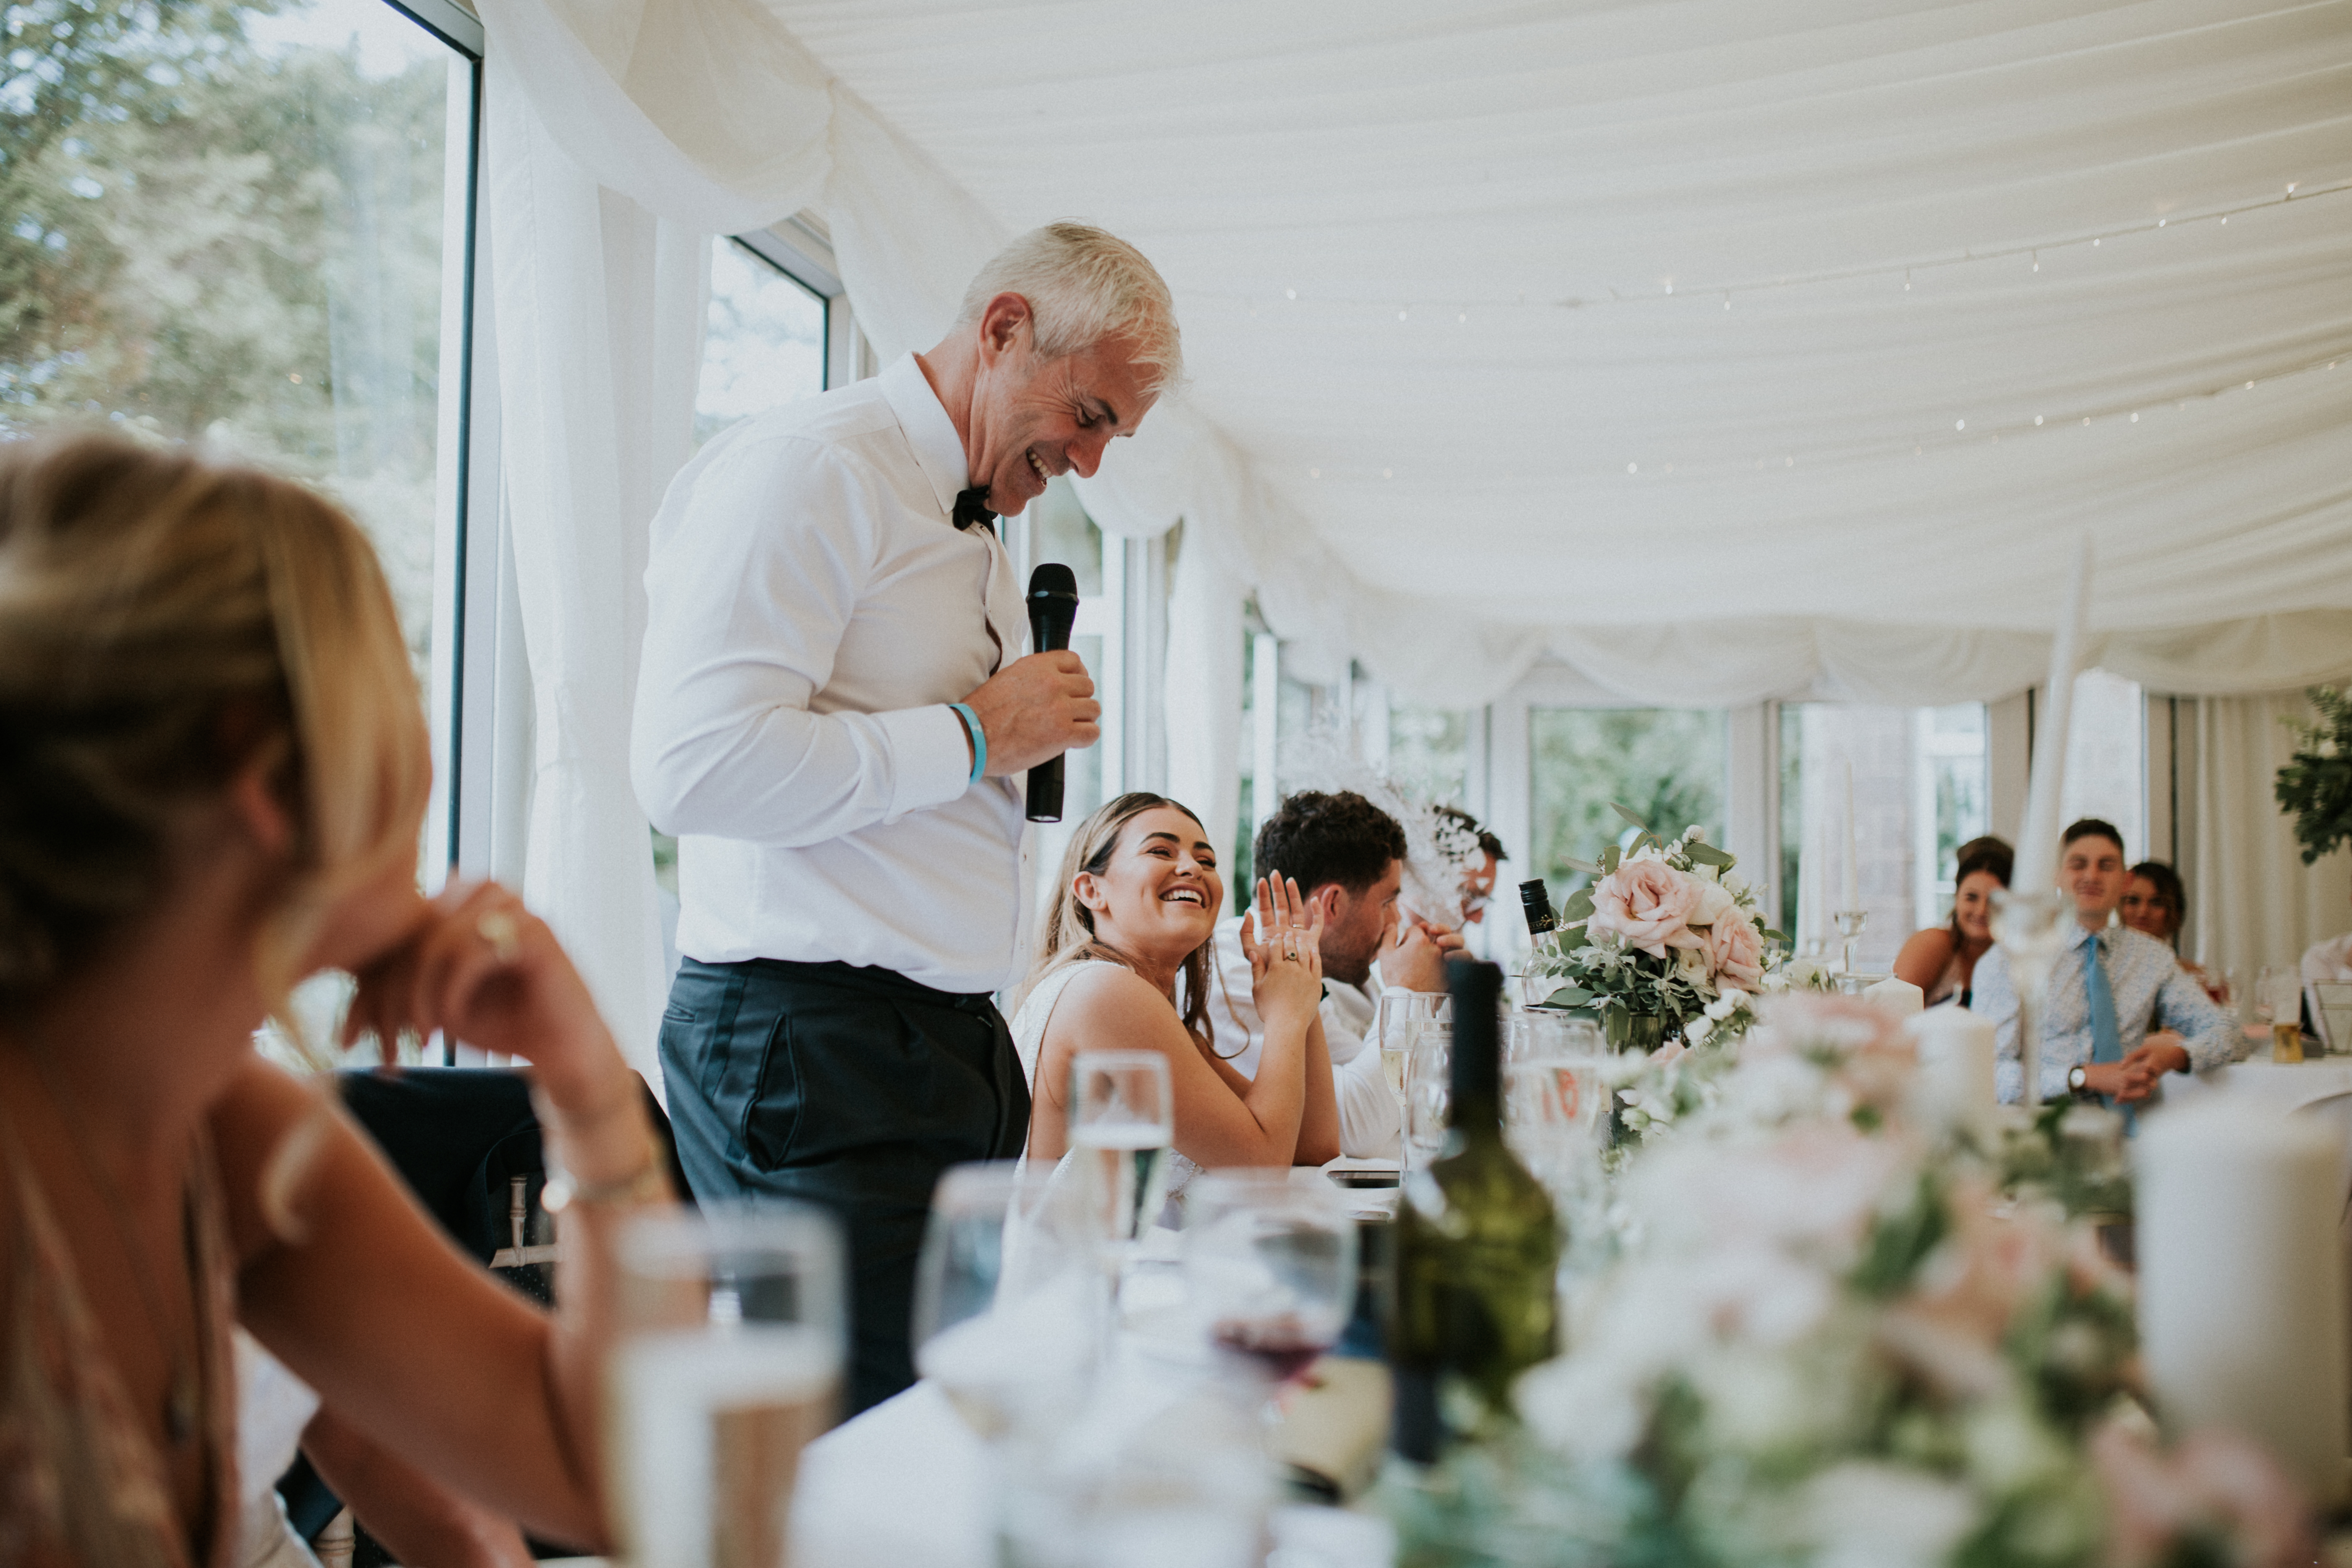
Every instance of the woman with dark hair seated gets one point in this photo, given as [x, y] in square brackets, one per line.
[1942, 960]
[2155, 901]
[214, 767]
[1130, 930]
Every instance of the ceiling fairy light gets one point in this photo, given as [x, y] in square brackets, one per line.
[1968, 256]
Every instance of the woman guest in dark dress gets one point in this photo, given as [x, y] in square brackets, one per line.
[1942, 960]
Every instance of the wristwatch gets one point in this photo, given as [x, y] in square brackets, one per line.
[2078, 1078]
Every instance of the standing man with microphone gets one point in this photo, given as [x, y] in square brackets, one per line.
[834, 714]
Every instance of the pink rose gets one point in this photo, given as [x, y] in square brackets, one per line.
[1736, 952]
[1649, 903]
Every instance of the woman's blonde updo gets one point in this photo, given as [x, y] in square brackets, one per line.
[164, 621]
[1069, 933]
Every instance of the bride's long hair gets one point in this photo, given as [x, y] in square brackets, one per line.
[1070, 929]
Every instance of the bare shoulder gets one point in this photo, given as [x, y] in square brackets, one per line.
[1105, 997]
[1930, 949]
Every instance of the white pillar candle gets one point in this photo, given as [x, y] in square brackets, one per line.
[2242, 1306]
[1896, 995]
[2036, 869]
[1958, 1050]
[1852, 857]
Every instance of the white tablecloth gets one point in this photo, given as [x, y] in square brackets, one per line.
[905, 1485]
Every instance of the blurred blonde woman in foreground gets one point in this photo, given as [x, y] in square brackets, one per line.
[213, 772]
[1133, 913]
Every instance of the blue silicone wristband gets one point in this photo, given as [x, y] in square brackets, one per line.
[979, 738]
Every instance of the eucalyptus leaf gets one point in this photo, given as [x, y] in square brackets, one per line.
[1569, 941]
[1569, 996]
[1779, 936]
[1629, 814]
[1706, 854]
[1579, 904]
[1573, 864]
[1608, 858]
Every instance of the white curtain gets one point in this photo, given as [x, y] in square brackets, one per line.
[2254, 900]
[598, 306]
[1204, 692]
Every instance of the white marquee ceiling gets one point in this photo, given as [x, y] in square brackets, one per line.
[1508, 387]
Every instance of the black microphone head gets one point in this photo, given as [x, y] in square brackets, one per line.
[1052, 579]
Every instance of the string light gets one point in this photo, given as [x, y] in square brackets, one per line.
[1967, 256]
[1959, 424]
[1633, 467]
[2037, 419]
[1401, 315]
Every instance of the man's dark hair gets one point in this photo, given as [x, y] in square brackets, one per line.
[1487, 842]
[1314, 838]
[2093, 828]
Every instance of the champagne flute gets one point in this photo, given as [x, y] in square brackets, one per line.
[1005, 1300]
[728, 1362]
[1270, 1267]
[1122, 1124]
[1397, 1024]
[1429, 1094]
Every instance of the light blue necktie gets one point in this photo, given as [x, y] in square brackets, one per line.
[2106, 1039]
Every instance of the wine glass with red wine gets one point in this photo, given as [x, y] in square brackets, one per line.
[1269, 1268]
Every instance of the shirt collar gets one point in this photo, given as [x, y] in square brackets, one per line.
[939, 450]
[2083, 933]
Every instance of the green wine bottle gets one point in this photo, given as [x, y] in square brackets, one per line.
[1477, 1252]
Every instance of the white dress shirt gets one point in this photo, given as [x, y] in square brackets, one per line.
[1370, 1127]
[814, 609]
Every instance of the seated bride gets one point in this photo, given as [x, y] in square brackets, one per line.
[1133, 915]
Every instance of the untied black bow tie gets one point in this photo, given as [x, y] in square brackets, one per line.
[971, 509]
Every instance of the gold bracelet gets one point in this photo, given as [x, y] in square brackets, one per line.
[647, 1184]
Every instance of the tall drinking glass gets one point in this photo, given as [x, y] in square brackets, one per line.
[1428, 1095]
[729, 1361]
[1004, 1297]
[1398, 1023]
[1270, 1267]
[1007, 1324]
[1122, 1124]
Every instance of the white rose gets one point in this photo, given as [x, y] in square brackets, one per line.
[1713, 903]
[1690, 963]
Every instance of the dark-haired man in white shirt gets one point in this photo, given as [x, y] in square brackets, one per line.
[833, 715]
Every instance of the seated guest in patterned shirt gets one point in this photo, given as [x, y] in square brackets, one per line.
[2121, 1012]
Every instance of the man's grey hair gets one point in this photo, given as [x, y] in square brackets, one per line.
[1085, 284]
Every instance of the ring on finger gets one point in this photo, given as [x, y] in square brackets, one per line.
[498, 928]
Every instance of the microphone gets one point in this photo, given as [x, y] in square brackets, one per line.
[1053, 605]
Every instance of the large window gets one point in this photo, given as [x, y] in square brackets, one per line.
[245, 225]
[1670, 766]
[1921, 789]
[764, 340]
[227, 224]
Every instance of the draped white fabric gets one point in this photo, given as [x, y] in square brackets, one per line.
[1716, 350]
[1508, 411]
[598, 308]
[2252, 900]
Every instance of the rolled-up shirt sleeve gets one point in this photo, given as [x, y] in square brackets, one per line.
[758, 563]
[2182, 1007]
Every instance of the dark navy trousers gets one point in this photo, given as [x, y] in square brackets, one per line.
[848, 1088]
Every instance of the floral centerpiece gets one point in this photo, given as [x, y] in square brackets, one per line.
[2316, 783]
[1667, 935]
[1827, 1338]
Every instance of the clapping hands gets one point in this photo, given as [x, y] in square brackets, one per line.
[1282, 937]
